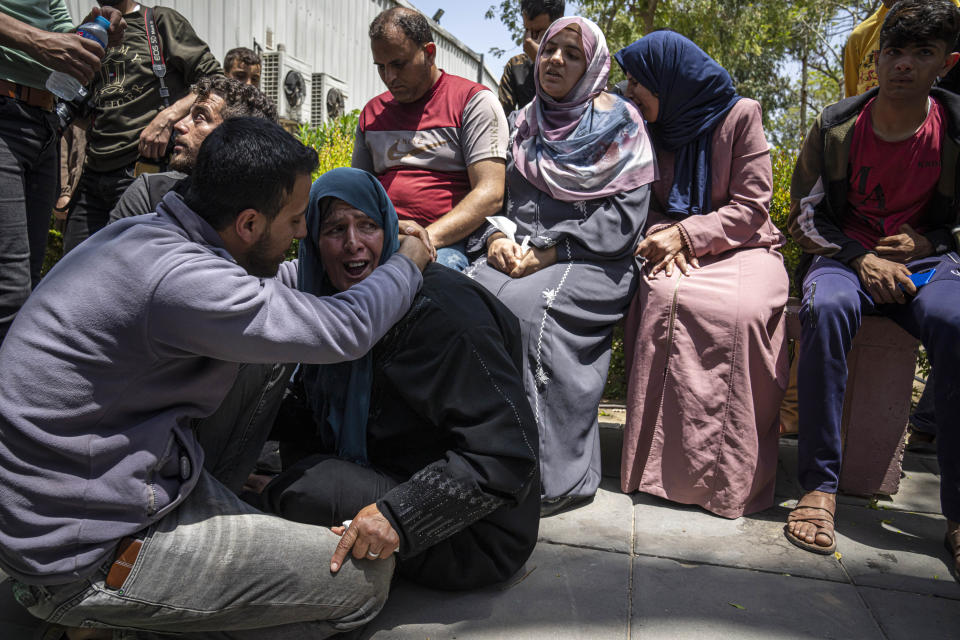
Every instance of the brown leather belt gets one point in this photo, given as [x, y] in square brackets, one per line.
[27, 95]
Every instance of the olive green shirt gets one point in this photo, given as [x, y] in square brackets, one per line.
[49, 15]
[126, 92]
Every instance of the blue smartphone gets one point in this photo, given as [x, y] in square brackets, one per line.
[921, 278]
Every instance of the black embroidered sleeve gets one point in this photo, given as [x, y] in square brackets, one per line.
[432, 506]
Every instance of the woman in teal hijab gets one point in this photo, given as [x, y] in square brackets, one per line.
[426, 444]
[340, 393]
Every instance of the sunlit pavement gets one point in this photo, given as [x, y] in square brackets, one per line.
[641, 567]
[635, 566]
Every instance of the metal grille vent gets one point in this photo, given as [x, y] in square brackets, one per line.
[329, 98]
[270, 76]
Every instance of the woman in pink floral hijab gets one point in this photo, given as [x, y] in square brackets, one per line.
[561, 255]
[586, 143]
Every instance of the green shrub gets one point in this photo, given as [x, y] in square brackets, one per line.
[333, 143]
[616, 389]
[54, 247]
[783, 164]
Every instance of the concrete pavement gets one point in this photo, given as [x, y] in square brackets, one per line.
[632, 567]
[638, 567]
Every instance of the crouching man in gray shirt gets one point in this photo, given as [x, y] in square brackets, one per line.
[118, 504]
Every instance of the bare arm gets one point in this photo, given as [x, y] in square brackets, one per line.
[487, 180]
[156, 135]
[66, 52]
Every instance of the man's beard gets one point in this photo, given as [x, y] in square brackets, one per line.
[258, 261]
[181, 162]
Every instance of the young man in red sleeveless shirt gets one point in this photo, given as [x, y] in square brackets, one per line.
[874, 200]
[437, 142]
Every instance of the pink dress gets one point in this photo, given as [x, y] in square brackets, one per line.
[706, 354]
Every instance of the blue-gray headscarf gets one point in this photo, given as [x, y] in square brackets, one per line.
[340, 393]
[695, 95]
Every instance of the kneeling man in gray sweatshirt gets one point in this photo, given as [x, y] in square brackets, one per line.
[118, 504]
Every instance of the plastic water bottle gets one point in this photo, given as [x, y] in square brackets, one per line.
[65, 86]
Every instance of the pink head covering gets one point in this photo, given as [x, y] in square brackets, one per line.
[570, 149]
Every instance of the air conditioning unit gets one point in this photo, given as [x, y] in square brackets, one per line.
[329, 98]
[288, 82]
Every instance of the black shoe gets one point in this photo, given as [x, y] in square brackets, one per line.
[553, 506]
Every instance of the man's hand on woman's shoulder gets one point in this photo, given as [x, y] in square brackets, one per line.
[415, 249]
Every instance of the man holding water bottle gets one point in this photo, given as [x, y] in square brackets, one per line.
[135, 107]
[34, 38]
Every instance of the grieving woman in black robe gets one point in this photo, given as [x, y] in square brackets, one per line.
[427, 444]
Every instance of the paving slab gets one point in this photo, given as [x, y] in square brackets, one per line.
[605, 524]
[683, 601]
[669, 530]
[907, 616]
[895, 550]
[568, 592]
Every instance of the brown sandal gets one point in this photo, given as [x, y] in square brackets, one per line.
[824, 522]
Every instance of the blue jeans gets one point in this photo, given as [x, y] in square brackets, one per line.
[216, 567]
[454, 256]
[833, 303]
[28, 190]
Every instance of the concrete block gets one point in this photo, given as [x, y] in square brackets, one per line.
[876, 406]
[564, 593]
[788, 485]
[611, 448]
[919, 488]
[678, 601]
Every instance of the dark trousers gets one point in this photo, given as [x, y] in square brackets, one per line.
[97, 194]
[833, 304]
[325, 490]
[28, 190]
[233, 436]
[924, 417]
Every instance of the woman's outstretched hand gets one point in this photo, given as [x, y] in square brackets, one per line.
[665, 250]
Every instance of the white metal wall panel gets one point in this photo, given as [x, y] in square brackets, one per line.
[330, 35]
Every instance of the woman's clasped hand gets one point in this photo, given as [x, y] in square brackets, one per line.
[665, 249]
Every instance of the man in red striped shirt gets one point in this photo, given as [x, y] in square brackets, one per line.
[437, 142]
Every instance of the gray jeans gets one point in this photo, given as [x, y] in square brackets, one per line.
[28, 190]
[216, 567]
